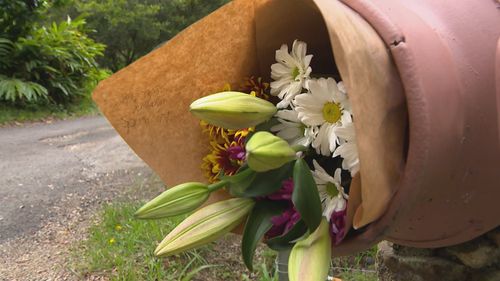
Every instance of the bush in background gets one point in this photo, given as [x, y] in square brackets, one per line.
[54, 63]
[132, 28]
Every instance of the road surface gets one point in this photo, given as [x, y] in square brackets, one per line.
[42, 165]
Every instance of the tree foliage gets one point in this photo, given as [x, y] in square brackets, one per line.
[55, 63]
[16, 17]
[132, 28]
[44, 60]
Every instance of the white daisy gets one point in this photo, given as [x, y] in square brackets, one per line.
[347, 148]
[292, 130]
[290, 73]
[325, 106]
[331, 192]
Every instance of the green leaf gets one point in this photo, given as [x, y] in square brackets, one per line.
[190, 275]
[258, 223]
[305, 195]
[239, 182]
[282, 242]
[268, 182]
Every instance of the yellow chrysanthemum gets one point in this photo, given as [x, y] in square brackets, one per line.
[227, 152]
[227, 147]
[256, 87]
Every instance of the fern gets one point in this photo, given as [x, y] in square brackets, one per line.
[16, 90]
[6, 50]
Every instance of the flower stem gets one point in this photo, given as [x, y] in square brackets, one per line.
[218, 185]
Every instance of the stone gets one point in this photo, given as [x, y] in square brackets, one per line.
[394, 267]
[491, 275]
[409, 251]
[476, 254]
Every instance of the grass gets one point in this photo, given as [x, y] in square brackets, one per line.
[11, 114]
[360, 267]
[120, 247]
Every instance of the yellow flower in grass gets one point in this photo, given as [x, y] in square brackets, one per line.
[118, 227]
[112, 241]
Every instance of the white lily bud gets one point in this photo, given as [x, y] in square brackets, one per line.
[177, 200]
[310, 258]
[266, 151]
[233, 110]
[205, 225]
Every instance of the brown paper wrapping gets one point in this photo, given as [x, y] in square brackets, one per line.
[148, 101]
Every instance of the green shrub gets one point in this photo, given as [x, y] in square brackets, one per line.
[17, 16]
[56, 63]
[131, 28]
[12, 89]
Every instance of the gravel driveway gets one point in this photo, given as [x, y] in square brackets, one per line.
[52, 179]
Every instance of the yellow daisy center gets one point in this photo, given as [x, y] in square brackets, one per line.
[331, 190]
[295, 73]
[332, 112]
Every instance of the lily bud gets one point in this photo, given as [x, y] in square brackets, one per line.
[266, 151]
[175, 201]
[233, 110]
[205, 225]
[310, 258]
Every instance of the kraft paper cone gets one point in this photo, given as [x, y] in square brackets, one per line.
[148, 101]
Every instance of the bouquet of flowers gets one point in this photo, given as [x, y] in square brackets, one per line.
[285, 160]
[281, 155]
[286, 152]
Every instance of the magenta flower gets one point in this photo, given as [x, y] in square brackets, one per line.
[284, 222]
[284, 193]
[236, 152]
[337, 226]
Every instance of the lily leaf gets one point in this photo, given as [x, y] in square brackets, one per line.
[268, 182]
[282, 242]
[258, 223]
[239, 182]
[305, 195]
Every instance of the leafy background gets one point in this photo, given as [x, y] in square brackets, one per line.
[54, 52]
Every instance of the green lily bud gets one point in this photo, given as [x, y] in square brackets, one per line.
[266, 151]
[205, 225]
[175, 201]
[233, 110]
[310, 258]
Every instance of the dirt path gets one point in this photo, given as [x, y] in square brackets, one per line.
[52, 179]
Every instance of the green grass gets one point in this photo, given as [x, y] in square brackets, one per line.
[358, 267]
[120, 247]
[10, 113]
